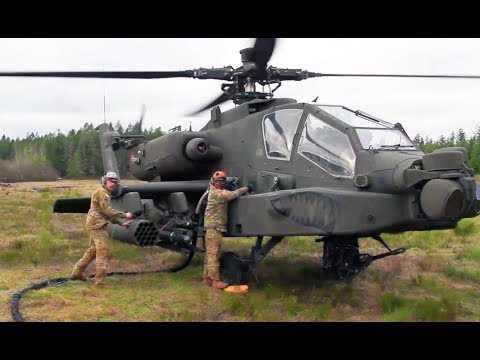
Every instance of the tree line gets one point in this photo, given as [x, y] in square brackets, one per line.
[74, 155]
[77, 154]
[456, 138]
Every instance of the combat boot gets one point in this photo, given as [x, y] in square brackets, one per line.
[78, 277]
[99, 276]
[77, 274]
[219, 284]
[207, 281]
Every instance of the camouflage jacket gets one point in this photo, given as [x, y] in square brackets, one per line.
[217, 207]
[101, 212]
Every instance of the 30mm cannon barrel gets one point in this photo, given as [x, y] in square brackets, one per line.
[175, 238]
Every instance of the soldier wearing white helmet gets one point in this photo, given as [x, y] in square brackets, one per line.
[99, 215]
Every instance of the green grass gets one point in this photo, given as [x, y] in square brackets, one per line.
[471, 254]
[465, 227]
[436, 279]
[292, 305]
[427, 283]
[434, 310]
[235, 305]
[462, 273]
[391, 302]
[399, 308]
[19, 244]
[318, 312]
[431, 261]
[399, 315]
[126, 253]
[9, 257]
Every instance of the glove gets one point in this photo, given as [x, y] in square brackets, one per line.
[127, 223]
[250, 187]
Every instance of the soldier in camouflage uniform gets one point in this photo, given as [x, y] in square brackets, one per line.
[216, 223]
[99, 214]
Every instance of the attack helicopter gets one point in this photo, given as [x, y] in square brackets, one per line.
[326, 171]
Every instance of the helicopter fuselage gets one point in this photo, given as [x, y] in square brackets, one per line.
[312, 172]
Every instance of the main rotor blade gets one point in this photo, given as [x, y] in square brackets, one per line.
[221, 99]
[144, 108]
[137, 129]
[402, 75]
[103, 74]
[263, 50]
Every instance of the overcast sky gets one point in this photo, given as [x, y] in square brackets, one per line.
[430, 107]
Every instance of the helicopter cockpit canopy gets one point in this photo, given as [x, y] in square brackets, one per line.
[278, 130]
[384, 139]
[373, 133]
[320, 143]
[327, 148]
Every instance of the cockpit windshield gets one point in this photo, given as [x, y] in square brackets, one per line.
[386, 139]
[373, 132]
[354, 118]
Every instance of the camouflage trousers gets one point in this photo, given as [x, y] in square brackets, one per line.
[213, 243]
[99, 250]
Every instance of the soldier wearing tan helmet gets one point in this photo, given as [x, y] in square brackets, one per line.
[99, 215]
[216, 223]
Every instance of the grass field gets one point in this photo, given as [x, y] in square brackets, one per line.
[436, 279]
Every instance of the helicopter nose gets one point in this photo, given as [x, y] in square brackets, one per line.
[443, 198]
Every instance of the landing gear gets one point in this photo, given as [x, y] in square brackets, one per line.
[342, 258]
[236, 270]
[233, 268]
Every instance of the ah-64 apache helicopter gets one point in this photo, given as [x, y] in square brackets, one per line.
[316, 170]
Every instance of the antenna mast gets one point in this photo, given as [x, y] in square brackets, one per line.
[104, 117]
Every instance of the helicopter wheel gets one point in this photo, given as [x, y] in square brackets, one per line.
[233, 269]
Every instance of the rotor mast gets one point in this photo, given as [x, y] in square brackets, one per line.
[245, 79]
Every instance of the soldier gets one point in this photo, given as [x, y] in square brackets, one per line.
[216, 223]
[99, 215]
[365, 136]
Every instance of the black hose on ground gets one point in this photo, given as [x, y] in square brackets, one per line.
[15, 302]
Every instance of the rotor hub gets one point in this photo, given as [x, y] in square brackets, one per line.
[247, 55]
